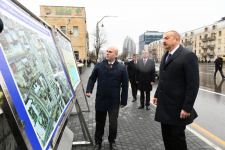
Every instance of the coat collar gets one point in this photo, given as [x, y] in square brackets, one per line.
[176, 53]
[106, 62]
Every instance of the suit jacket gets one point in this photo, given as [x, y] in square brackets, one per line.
[110, 82]
[178, 87]
[131, 68]
[145, 74]
[219, 63]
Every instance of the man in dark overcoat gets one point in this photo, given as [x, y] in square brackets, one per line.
[176, 92]
[219, 66]
[145, 78]
[112, 77]
[132, 69]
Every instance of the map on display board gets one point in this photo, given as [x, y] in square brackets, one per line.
[34, 74]
[66, 50]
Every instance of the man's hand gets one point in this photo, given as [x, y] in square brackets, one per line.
[184, 114]
[154, 100]
[88, 94]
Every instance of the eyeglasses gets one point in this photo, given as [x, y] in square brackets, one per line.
[109, 51]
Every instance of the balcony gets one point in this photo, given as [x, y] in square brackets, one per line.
[211, 46]
[187, 43]
[204, 46]
[205, 39]
[212, 38]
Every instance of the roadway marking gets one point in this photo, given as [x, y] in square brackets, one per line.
[209, 134]
[203, 139]
[206, 73]
[203, 130]
[211, 92]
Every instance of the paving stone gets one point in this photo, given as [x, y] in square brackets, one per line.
[137, 129]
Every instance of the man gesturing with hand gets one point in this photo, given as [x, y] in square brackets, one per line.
[112, 93]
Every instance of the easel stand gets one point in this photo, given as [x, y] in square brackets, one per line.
[88, 140]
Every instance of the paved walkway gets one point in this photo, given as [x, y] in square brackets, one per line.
[137, 129]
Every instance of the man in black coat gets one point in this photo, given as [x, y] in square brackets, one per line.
[219, 66]
[112, 77]
[145, 78]
[131, 68]
[176, 92]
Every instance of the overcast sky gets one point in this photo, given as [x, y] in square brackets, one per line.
[137, 16]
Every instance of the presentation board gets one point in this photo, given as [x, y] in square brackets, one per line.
[66, 51]
[34, 75]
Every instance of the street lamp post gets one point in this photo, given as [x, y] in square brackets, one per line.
[98, 36]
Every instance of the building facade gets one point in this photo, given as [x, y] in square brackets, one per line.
[206, 42]
[146, 38]
[129, 47]
[156, 50]
[72, 22]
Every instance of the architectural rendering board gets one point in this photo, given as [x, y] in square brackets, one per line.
[33, 73]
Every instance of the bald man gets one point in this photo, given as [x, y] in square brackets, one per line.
[112, 77]
[176, 92]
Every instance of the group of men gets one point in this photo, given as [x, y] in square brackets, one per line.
[141, 74]
[174, 97]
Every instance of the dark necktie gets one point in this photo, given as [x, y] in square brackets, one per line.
[168, 58]
[110, 65]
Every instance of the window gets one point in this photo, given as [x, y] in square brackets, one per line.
[63, 29]
[75, 31]
[76, 53]
[206, 29]
[220, 33]
[214, 27]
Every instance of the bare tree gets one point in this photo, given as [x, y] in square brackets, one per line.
[99, 43]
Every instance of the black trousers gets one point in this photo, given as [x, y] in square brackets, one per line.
[100, 118]
[145, 97]
[220, 70]
[174, 137]
[134, 88]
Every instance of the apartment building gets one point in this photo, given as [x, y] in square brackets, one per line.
[206, 42]
[148, 37]
[72, 22]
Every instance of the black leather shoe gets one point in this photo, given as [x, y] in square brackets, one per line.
[113, 146]
[97, 147]
[147, 107]
[140, 107]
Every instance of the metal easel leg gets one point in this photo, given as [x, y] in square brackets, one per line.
[86, 134]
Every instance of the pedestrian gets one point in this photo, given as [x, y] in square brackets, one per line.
[176, 92]
[1, 25]
[131, 68]
[145, 78]
[219, 66]
[112, 77]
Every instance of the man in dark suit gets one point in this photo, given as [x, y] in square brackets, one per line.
[131, 68]
[112, 77]
[176, 92]
[219, 66]
[145, 78]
